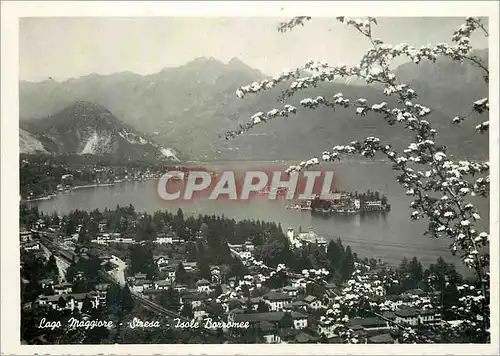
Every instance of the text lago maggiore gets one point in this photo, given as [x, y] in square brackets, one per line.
[136, 323]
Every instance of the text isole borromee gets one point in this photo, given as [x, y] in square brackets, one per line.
[207, 323]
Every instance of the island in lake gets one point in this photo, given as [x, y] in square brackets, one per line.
[345, 203]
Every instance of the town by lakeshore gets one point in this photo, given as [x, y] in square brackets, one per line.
[220, 279]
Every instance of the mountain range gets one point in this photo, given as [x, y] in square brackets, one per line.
[86, 128]
[190, 106]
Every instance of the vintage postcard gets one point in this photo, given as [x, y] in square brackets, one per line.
[249, 178]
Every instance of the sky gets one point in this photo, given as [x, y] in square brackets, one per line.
[63, 48]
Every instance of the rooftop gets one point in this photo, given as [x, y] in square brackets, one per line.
[273, 295]
[163, 283]
[270, 317]
[310, 298]
[76, 296]
[381, 339]
[266, 326]
[406, 313]
[305, 338]
[367, 322]
[389, 315]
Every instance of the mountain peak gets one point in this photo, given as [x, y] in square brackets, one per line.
[235, 61]
[204, 61]
[83, 105]
[85, 127]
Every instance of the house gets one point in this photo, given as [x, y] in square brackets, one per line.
[161, 262]
[299, 283]
[180, 287]
[247, 280]
[395, 299]
[70, 301]
[105, 258]
[371, 323]
[32, 246]
[304, 338]
[25, 236]
[102, 225]
[46, 282]
[297, 305]
[327, 328]
[249, 246]
[410, 316]
[97, 298]
[215, 274]
[276, 300]
[101, 288]
[140, 275]
[137, 286]
[39, 224]
[299, 320]
[200, 311]
[163, 284]
[269, 332]
[203, 286]
[429, 316]
[164, 239]
[407, 316]
[245, 255]
[235, 247]
[169, 272]
[234, 303]
[254, 303]
[360, 333]
[146, 283]
[414, 292]
[332, 287]
[194, 298]
[152, 294]
[288, 335]
[313, 302]
[233, 313]
[232, 282]
[102, 239]
[140, 285]
[124, 240]
[63, 288]
[54, 228]
[190, 266]
[389, 315]
[311, 238]
[257, 281]
[291, 291]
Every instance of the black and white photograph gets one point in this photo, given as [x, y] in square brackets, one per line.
[290, 177]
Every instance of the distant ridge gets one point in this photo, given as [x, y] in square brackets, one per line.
[86, 128]
[192, 105]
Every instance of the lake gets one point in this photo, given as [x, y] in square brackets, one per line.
[390, 236]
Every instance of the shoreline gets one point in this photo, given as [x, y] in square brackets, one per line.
[53, 195]
[93, 186]
[96, 185]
